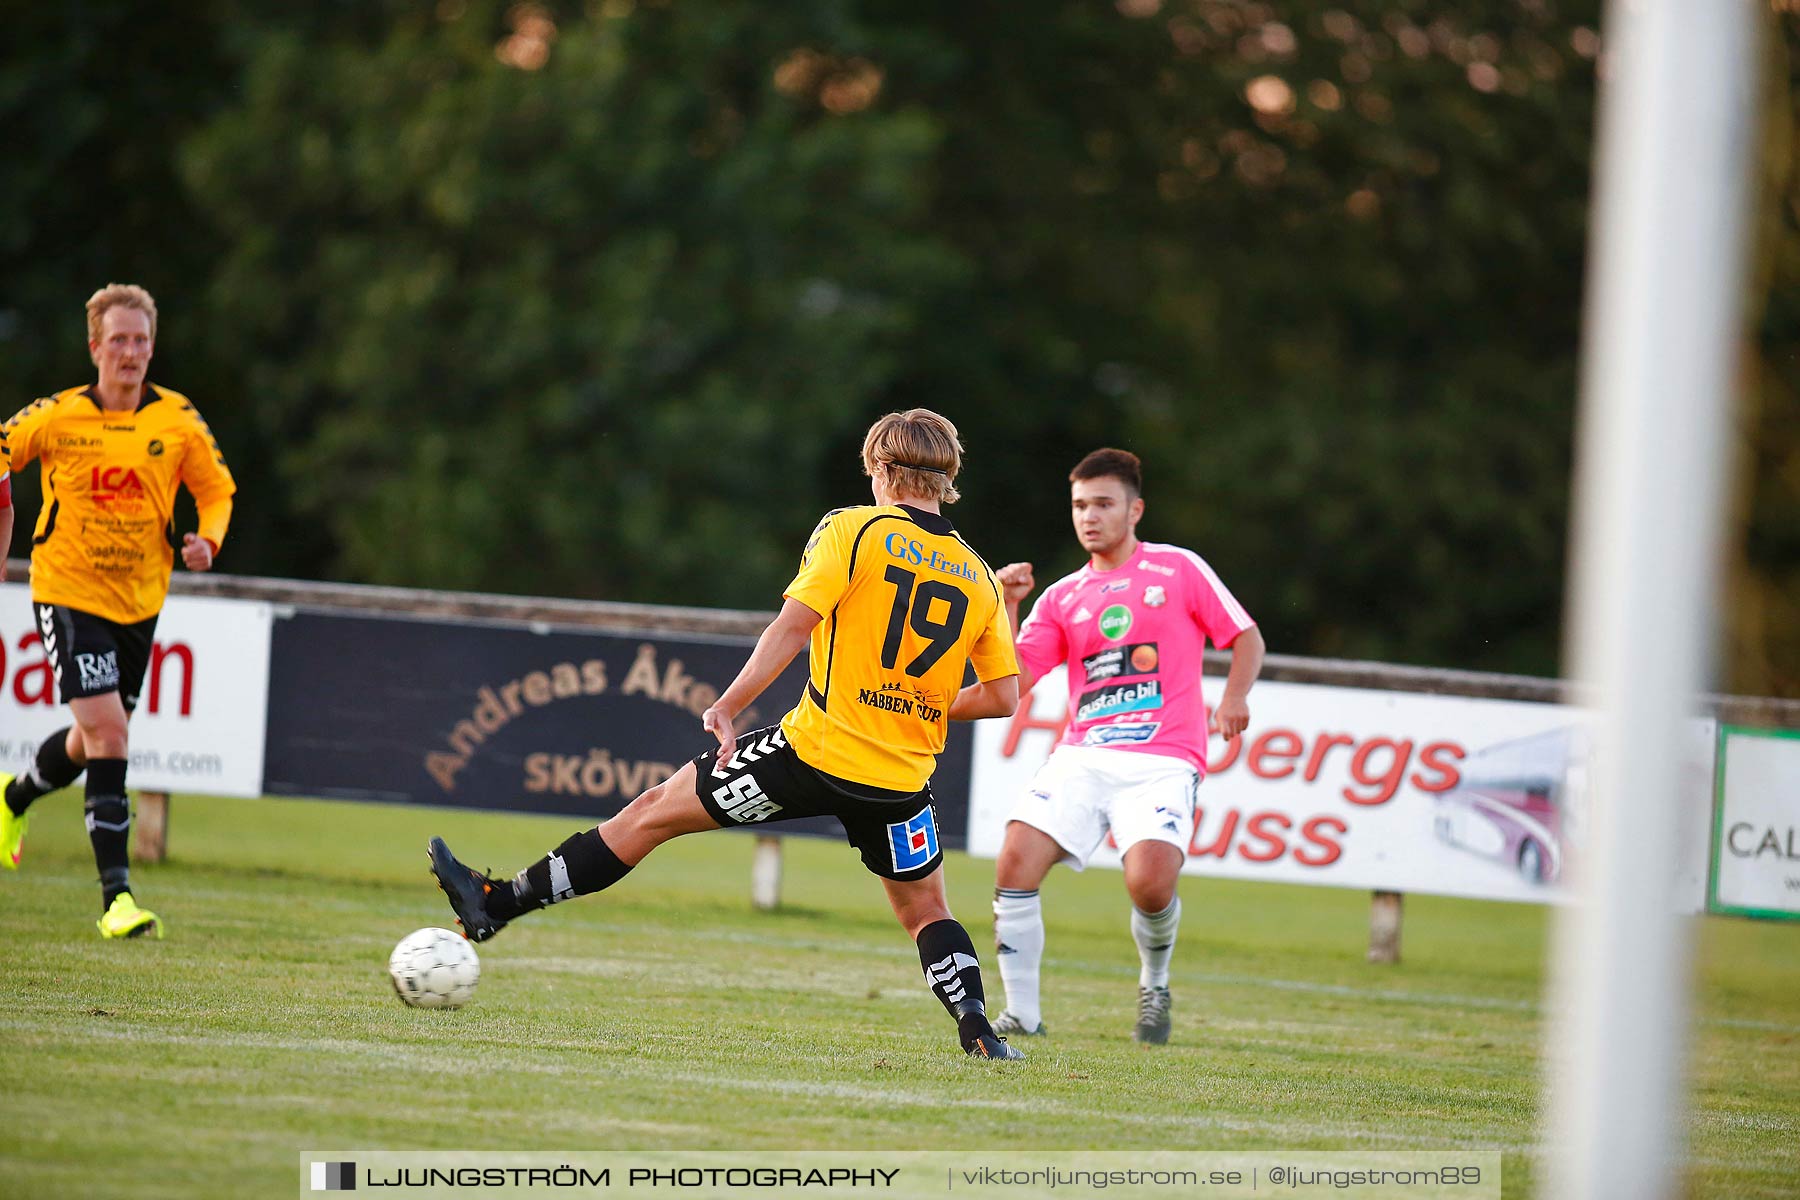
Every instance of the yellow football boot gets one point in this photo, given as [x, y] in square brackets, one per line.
[125, 919]
[12, 829]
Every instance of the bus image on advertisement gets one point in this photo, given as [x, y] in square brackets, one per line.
[1522, 803]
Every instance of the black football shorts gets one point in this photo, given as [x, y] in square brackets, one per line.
[92, 655]
[765, 781]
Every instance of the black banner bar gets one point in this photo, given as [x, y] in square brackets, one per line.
[511, 717]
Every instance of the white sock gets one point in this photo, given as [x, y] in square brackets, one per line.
[1154, 934]
[1019, 949]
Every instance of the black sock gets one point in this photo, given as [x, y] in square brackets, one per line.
[53, 769]
[584, 863]
[109, 826]
[954, 974]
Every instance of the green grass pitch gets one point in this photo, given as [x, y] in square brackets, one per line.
[667, 1014]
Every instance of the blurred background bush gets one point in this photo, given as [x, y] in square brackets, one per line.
[596, 299]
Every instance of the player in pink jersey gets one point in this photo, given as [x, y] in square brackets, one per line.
[1131, 627]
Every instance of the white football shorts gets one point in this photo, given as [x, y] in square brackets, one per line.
[1084, 791]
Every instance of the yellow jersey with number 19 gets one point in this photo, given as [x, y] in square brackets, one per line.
[905, 604]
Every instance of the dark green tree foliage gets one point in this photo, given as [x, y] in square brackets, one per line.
[94, 101]
[597, 299]
[581, 314]
[1763, 625]
[1319, 263]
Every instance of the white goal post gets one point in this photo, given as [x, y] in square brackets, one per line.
[1663, 328]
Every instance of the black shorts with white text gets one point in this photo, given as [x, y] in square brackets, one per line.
[92, 656]
[765, 781]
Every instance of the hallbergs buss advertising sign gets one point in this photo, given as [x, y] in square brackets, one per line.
[1369, 789]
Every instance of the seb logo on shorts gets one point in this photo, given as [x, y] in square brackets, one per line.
[1119, 698]
[115, 483]
[744, 801]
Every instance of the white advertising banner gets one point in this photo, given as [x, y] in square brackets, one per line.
[1756, 868]
[201, 717]
[1378, 790]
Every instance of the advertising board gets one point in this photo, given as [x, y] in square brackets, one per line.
[199, 723]
[1380, 790]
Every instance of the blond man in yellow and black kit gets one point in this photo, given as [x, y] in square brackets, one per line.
[113, 454]
[894, 605]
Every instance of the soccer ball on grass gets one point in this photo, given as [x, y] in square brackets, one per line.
[434, 968]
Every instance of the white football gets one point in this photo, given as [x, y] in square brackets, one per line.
[434, 968]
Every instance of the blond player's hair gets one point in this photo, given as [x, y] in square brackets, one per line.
[917, 452]
[119, 295]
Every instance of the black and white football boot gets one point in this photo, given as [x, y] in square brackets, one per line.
[467, 890]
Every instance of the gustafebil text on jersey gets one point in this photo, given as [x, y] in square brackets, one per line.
[105, 537]
[905, 605]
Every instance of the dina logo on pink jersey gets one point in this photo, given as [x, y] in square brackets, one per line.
[1115, 622]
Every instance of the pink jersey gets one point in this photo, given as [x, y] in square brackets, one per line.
[1133, 638]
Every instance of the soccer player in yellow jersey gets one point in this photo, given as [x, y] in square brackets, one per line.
[113, 454]
[892, 605]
